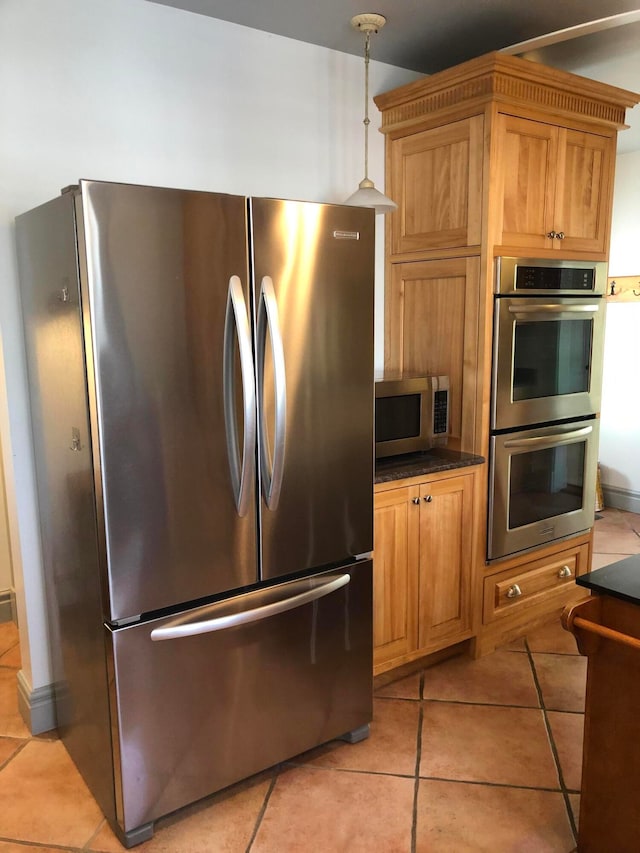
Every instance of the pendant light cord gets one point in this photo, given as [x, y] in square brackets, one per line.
[366, 121]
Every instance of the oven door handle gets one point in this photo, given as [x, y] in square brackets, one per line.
[553, 308]
[550, 440]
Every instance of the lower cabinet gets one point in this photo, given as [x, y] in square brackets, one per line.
[423, 557]
[529, 590]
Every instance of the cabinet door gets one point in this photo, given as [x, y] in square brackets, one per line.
[527, 171]
[436, 179]
[395, 562]
[583, 196]
[432, 328]
[446, 517]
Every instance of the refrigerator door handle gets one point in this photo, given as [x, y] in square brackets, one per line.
[236, 318]
[268, 319]
[182, 627]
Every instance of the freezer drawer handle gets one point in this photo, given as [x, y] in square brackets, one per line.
[236, 317]
[549, 440]
[183, 628]
[268, 318]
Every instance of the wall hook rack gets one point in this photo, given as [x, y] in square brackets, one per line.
[623, 288]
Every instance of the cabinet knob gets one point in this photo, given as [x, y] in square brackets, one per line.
[514, 591]
[551, 235]
[565, 572]
[560, 235]
[428, 498]
[415, 500]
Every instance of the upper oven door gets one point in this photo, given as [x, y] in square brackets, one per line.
[547, 359]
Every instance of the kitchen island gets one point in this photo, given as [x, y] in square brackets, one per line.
[607, 630]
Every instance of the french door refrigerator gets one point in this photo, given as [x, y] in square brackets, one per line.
[201, 379]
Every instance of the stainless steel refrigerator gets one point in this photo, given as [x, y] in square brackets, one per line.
[201, 377]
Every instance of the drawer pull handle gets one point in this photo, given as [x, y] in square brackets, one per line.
[565, 572]
[514, 591]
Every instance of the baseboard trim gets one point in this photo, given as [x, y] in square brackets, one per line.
[7, 605]
[37, 707]
[621, 498]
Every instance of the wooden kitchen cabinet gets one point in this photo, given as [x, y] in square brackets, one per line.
[527, 590]
[437, 178]
[395, 578]
[432, 327]
[554, 187]
[496, 154]
[422, 567]
[445, 555]
[531, 150]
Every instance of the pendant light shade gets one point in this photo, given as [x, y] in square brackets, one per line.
[367, 195]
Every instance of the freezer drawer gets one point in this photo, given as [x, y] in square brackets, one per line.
[193, 714]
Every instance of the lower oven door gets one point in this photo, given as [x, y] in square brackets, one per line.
[542, 485]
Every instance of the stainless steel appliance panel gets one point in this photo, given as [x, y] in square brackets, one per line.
[547, 360]
[218, 693]
[50, 296]
[545, 276]
[542, 485]
[167, 279]
[313, 279]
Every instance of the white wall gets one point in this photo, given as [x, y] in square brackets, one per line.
[131, 91]
[6, 574]
[620, 427]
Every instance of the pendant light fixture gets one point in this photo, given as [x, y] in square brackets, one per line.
[367, 195]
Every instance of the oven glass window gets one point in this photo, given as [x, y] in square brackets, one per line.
[551, 358]
[544, 483]
[398, 417]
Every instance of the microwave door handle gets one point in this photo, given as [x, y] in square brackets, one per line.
[553, 309]
[268, 319]
[236, 319]
[183, 628]
[549, 440]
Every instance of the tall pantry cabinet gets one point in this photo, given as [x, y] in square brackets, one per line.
[497, 156]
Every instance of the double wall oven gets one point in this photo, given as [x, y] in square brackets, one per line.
[547, 380]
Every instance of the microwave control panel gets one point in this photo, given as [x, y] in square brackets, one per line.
[440, 412]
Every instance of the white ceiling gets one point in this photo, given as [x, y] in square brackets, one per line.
[597, 38]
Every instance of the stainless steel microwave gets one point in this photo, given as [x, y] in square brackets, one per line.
[412, 413]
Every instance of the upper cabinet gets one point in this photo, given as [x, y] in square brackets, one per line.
[437, 179]
[553, 186]
[501, 156]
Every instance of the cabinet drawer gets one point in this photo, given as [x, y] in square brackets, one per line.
[523, 586]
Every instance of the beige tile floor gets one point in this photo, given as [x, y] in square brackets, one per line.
[466, 756]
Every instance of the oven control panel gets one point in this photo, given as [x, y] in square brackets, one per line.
[547, 276]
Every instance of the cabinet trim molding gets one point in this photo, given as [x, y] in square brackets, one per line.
[496, 76]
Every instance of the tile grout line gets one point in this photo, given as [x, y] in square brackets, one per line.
[31, 845]
[264, 808]
[552, 743]
[416, 786]
[14, 754]
[95, 833]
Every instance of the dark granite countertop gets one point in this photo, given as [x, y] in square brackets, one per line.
[418, 464]
[621, 579]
